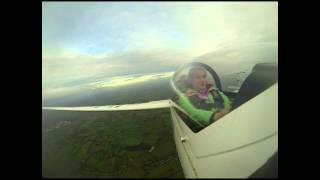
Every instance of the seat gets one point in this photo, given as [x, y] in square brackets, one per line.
[263, 76]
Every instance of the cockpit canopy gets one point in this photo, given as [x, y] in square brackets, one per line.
[181, 79]
[261, 77]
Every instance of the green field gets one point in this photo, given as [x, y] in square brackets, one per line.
[127, 144]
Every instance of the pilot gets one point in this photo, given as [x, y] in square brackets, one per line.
[202, 100]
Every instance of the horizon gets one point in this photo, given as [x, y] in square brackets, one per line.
[89, 40]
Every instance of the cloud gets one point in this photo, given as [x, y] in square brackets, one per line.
[82, 41]
[126, 80]
[241, 58]
[108, 27]
[59, 92]
[58, 72]
[100, 28]
[93, 84]
[211, 25]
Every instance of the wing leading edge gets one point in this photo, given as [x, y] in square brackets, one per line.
[125, 107]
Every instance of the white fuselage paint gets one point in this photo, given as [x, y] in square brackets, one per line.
[236, 145]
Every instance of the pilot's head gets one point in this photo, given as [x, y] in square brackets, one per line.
[198, 77]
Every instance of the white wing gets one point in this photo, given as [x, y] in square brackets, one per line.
[139, 106]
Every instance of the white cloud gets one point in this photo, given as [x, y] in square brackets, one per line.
[94, 40]
[58, 92]
[126, 80]
[211, 25]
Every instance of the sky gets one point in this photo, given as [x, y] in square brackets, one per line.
[83, 41]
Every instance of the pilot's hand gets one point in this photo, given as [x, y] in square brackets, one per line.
[221, 113]
[225, 111]
[218, 115]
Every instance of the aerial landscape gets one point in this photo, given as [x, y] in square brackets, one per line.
[111, 144]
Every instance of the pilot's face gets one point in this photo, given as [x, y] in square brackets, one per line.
[199, 79]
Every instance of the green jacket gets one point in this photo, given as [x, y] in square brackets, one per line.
[204, 110]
